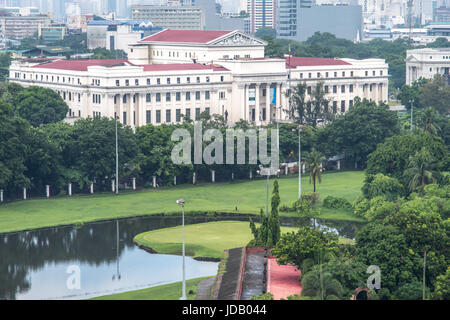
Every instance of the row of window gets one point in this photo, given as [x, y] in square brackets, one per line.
[168, 81]
[168, 118]
[335, 74]
[70, 80]
[168, 96]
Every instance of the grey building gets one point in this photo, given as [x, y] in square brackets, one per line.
[215, 21]
[302, 20]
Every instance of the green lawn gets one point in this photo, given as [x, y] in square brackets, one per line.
[203, 239]
[248, 196]
[170, 291]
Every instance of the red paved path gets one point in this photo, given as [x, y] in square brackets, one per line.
[282, 281]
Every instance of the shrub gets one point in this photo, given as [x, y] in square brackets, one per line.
[336, 203]
[262, 296]
[313, 197]
[305, 208]
[381, 185]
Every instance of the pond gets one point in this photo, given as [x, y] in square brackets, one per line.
[41, 264]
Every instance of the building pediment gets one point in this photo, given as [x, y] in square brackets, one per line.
[237, 38]
[411, 58]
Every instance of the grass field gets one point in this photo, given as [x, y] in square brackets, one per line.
[247, 196]
[170, 291]
[202, 240]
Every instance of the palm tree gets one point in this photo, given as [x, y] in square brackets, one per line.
[420, 170]
[429, 119]
[314, 162]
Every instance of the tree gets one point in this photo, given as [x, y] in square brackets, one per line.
[40, 105]
[314, 163]
[12, 149]
[428, 119]
[274, 219]
[357, 132]
[420, 170]
[410, 95]
[102, 53]
[295, 247]
[392, 157]
[322, 285]
[442, 286]
[266, 32]
[381, 185]
[436, 94]
[297, 103]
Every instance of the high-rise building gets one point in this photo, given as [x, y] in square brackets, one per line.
[263, 14]
[288, 14]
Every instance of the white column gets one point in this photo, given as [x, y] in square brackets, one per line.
[141, 109]
[244, 102]
[1, 195]
[113, 185]
[277, 101]
[134, 183]
[193, 178]
[92, 188]
[213, 175]
[175, 180]
[154, 181]
[268, 109]
[257, 106]
[303, 168]
[121, 107]
[133, 113]
[24, 193]
[47, 191]
[70, 189]
[282, 100]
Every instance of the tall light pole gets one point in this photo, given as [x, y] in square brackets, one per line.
[299, 165]
[183, 289]
[267, 172]
[117, 158]
[412, 111]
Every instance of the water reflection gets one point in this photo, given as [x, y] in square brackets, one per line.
[33, 264]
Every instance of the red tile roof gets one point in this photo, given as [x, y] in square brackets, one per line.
[182, 66]
[80, 65]
[191, 36]
[307, 61]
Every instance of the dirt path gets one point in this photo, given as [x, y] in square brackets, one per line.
[282, 281]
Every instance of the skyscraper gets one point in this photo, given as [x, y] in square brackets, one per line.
[262, 14]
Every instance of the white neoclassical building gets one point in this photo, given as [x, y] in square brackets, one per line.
[426, 63]
[226, 73]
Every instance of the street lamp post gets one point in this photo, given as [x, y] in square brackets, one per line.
[117, 158]
[183, 290]
[267, 172]
[299, 165]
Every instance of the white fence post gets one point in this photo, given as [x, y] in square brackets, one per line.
[92, 188]
[47, 191]
[1, 195]
[154, 181]
[251, 175]
[175, 180]
[70, 189]
[134, 183]
[213, 175]
[193, 178]
[24, 193]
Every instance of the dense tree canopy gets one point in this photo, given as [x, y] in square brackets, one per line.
[40, 105]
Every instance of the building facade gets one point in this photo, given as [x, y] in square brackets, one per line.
[263, 14]
[172, 17]
[20, 27]
[426, 63]
[248, 88]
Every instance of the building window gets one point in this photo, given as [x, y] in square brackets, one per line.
[136, 82]
[168, 80]
[178, 80]
[188, 96]
[148, 116]
[207, 110]
[309, 75]
[325, 88]
[168, 116]
[381, 72]
[158, 116]
[197, 113]
[334, 106]
[326, 74]
[373, 73]
[206, 95]
[318, 74]
[367, 73]
[127, 82]
[178, 96]
[158, 97]
[188, 113]
[188, 79]
[221, 78]
[351, 73]
[117, 83]
[158, 81]
[350, 88]
[343, 73]
[148, 97]
[350, 103]
[309, 90]
[301, 75]
[343, 106]
[335, 74]
[334, 89]
[197, 95]
[177, 115]
[198, 79]
[207, 79]
[222, 95]
[168, 97]
[148, 81]
[124, 118]
[343, 89]
[124, 99]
